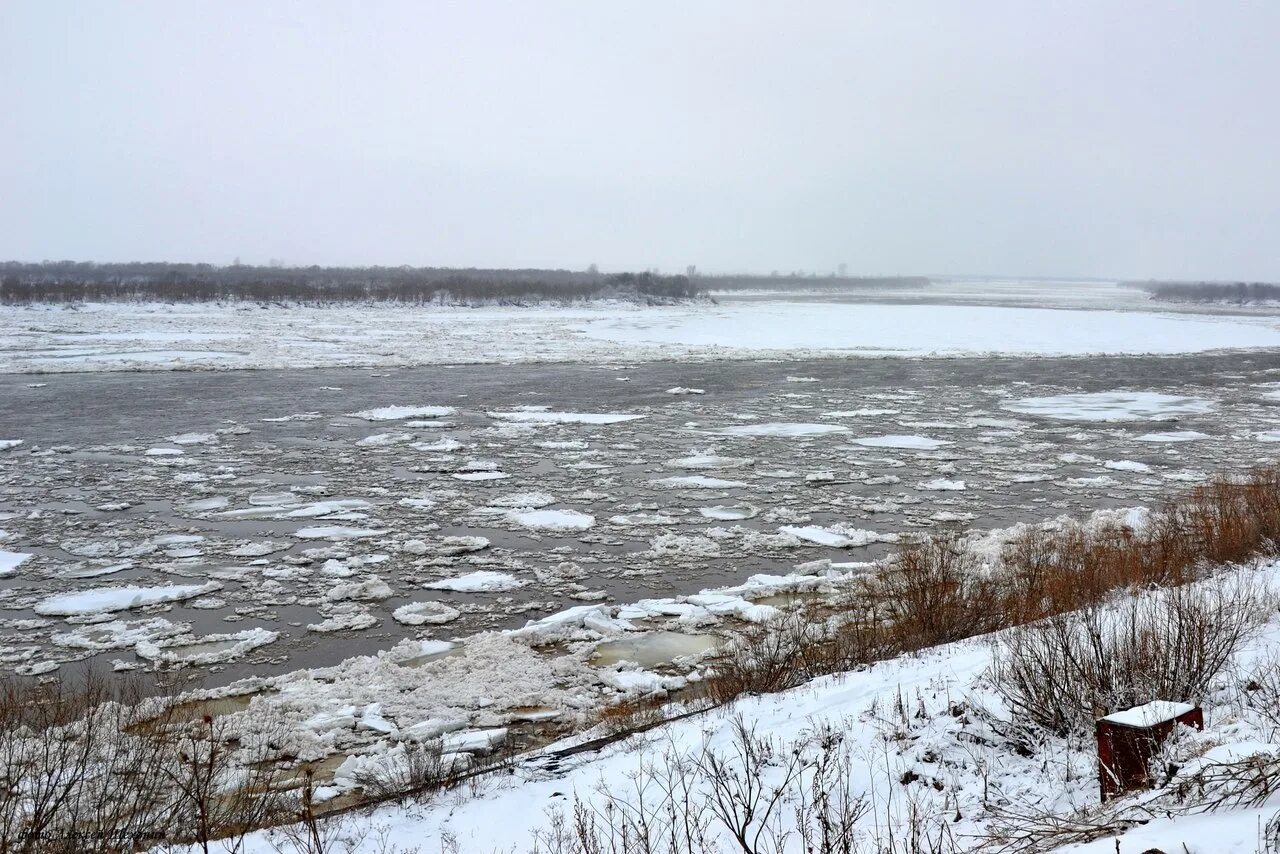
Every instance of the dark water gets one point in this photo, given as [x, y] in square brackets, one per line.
[85, 435]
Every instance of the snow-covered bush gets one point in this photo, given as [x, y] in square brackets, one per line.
[1065, 671]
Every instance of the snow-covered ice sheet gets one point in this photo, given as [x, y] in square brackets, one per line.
[781, 430]
[917, 443]
[401, 413]
[189, 336]
[1112, 406]
[541, 416]
[10, 561]
[106, 599]
[551, 520]
[481, 581]
[932, 329]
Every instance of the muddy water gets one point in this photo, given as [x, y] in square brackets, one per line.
[61, 493]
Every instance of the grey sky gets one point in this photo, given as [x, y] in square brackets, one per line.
[1074, 138]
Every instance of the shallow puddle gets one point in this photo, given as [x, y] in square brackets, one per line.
[653, 649]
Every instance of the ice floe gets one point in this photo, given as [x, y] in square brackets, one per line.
[10, 561]
[535, 415]
[780, 429]
[551, 520]
[107, 599]
[1111, 406]
[696, 481]
[425, 613]
[481, 581]
[400, 413]
[920, 443]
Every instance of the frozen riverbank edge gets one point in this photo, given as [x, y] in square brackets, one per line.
[914, 734]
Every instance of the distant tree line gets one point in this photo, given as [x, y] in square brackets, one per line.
[1235, 293]
[806, 282]
[75, 281]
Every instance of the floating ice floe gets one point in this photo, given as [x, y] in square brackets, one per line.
[679, 546]
[725, 604]
[1268, 436]
[785, 430]
[534, 415]
[837, 536]
[382, 440]
[118, 634]
[696, 481]
[107, 599]
[1126, 465]
[865, 412]
[440, 446]
[210, 649]
[400, 413]
[372, 588]
[722, 513]
[10, 561]
[1111, 406]
[919, 443]
[576, 623]
[351, 619]
[941, 484]
[201, 505]
[336, 532]
[327, 508]
[682, 390]
[640, 519]
[708, 461]
[258, 549]
[425, 613]
[193, 438]
[480, 476]
[8, 444]
[1171, 436]
[551, 520]
[481, 581]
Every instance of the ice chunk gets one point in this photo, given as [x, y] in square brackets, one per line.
[10, 561]
[399, 413]
[551, 520]
[105, 599]
[481, 581]
[1111, 406]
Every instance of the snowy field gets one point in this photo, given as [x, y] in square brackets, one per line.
[959, 319]
[917, 738]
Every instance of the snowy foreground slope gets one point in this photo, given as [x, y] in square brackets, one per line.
[914, 740]
[98, 337]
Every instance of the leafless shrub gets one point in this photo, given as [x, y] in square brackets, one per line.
[933, 592]
[764, 658]
[420, 769]
[1248, 782]
[217, 794]
[757, 795]
[1015, 829]
[1065, 671]
[633, 714]
[1259, 690]
[308, 833]
[72, 774]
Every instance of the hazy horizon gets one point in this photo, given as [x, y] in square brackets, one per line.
[1088, 141]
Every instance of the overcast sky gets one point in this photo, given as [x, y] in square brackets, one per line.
[1089, 139]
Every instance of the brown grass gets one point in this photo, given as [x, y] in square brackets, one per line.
[937, 590]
